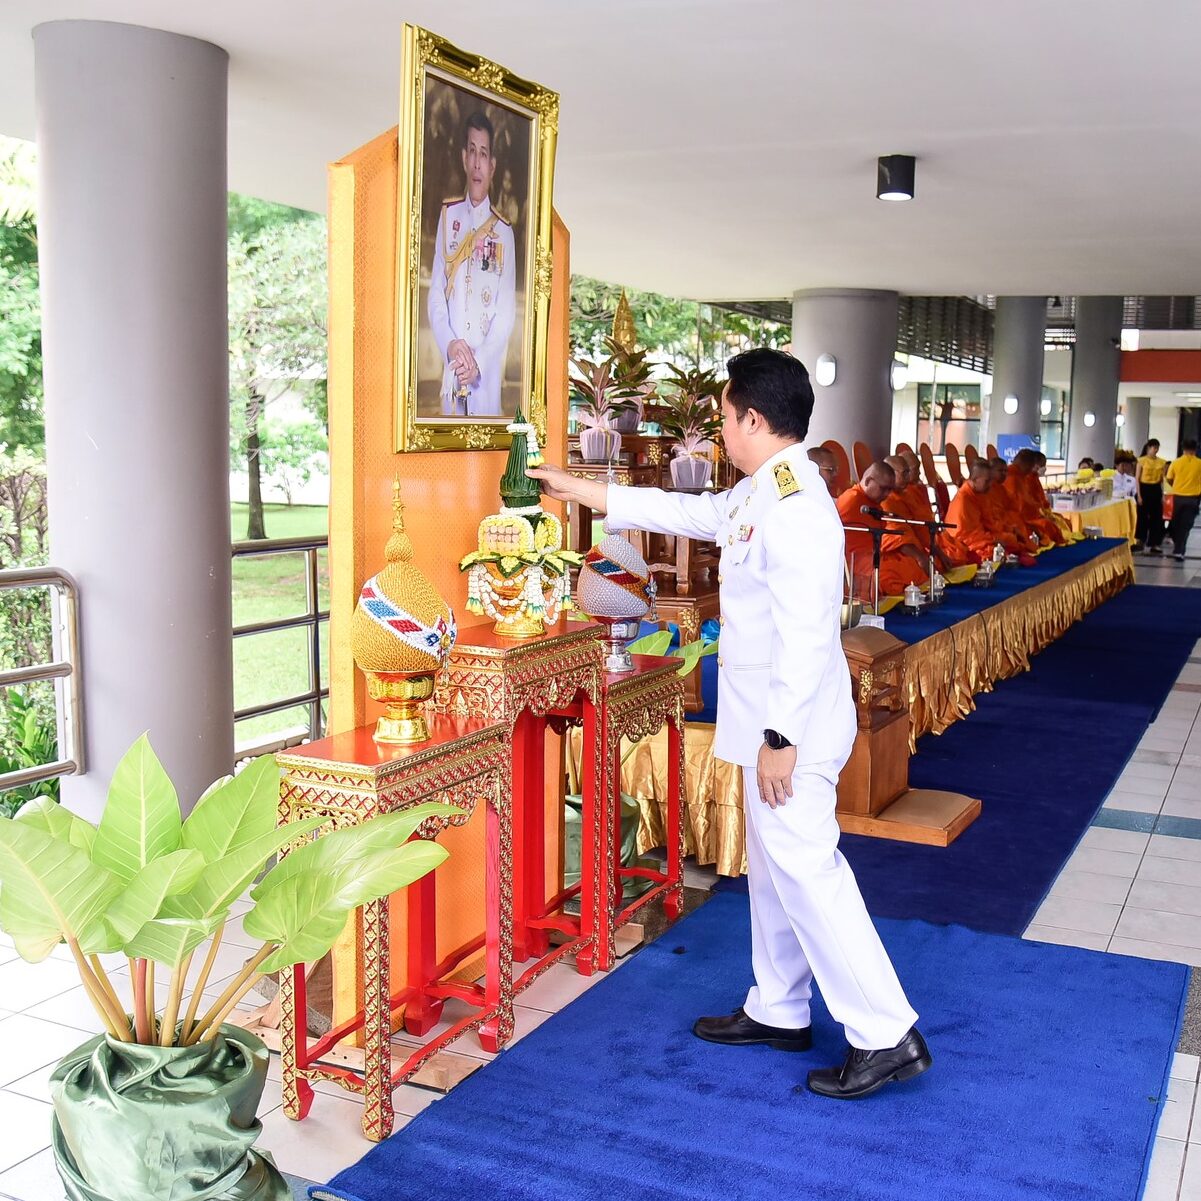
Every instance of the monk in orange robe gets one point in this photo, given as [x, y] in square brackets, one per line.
[910, 500]
[900, 562]
[1040, 494]
[1018, 484]
[973, 517]
[827, 468]
[956, 553]
[1006, 515]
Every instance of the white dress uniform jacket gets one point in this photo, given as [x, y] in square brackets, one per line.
[780, 662]
[472, 296]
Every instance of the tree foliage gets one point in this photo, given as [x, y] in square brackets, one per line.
[21, 420]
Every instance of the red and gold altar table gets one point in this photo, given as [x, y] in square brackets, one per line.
[348, 779]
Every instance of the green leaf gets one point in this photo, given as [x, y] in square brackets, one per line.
[48, 885]
[46, 814]
[141, 900]
[33, 948]
[307, 912]
[332, 852]
[224, 881]
[710, 648]
[652, 644]
[141, 815]
[691, 656]
[168, 940]
[234, 811]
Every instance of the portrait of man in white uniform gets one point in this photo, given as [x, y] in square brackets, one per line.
[472, 292]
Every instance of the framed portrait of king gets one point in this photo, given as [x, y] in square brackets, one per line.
[476, 171]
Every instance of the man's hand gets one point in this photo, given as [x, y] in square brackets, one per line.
[461, 358]
[562, 485]
[774, 774]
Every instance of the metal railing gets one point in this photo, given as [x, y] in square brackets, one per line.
[311, 620]
[66, 666]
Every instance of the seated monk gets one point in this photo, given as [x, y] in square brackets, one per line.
[956, 553]
[901, 563]
[1018, 483]
[1005, 512]
[827, 468]
[973, 518]
[903, 502]
[1044, 505]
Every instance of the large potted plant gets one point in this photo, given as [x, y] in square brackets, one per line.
[162, 1104]
[693, 419]
[632, 374]
[598, 399]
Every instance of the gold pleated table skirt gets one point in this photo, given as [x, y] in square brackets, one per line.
[944, 674]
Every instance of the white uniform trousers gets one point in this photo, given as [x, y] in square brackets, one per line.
[809, 922]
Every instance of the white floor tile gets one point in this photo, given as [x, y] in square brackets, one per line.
[1104, 863]
[557, 988]
[26, 1126]
[524, 1020]
[1067, 938]
[36, 1085]
[27, 1043]
[407, 1099]
[1106, 839]
[1168, 898]
[1142, 949]
[1170, 847]
[1177, 1113]
[1068, 913]
[1190, 1182]
[1178, 806]
[328, 1140]
[1089, 886]
[1134, 802]
[1185, 1067]
[72, 1008]
[33, 1179]
[1169, 871]
[1163, 1180]
[23, 984]
[1195, 1130]
[1155, 925]
[1142, 785]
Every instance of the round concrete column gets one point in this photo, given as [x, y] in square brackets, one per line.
[131, 133]
[1137, 429]
[1096, 365]
[1019, 333]
[859, 329]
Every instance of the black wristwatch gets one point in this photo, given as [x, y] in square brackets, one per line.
[777, 742]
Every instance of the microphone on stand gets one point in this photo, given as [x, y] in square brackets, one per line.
[873, 511]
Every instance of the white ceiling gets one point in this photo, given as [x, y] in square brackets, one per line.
[726, 148]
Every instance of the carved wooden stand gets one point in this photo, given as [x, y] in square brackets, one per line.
[874, 796]
[349, 779]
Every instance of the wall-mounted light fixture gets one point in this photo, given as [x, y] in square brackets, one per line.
[1044, 406]
[1120, 420]
[900, 375]
[825, 369]
[1090, 419]
[1011, 404]
[894, 176]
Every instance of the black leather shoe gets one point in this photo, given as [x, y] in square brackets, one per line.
[866, 1072]
[738, 1030]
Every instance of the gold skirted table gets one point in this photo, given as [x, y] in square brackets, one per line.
[1115, 519]
[944, 673]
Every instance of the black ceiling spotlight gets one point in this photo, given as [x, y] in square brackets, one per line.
[894, 177]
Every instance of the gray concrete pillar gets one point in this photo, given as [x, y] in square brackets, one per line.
[131, 133]
[1137, 429]
[859, 329]
[1018, 337]
[1096, 365]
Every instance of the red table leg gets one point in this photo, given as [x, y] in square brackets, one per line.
[592, 886]
[529, 815]
[377, 1023]
[498, 941]
[673, 901]
[422, 1013]
[293, 1000]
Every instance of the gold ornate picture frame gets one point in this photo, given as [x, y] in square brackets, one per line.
[439, 246]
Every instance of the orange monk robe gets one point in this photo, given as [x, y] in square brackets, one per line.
[1038, 492]
[915, 503]
[896, 569]
[972, 518]
[1005, 516]
[1017, 484]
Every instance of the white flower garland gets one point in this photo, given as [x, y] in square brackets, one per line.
[482, 596]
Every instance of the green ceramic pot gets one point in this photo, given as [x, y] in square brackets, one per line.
[134, 1123]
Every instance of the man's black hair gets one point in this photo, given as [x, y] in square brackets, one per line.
[477, 120]
[776, 386]
[1189, 444]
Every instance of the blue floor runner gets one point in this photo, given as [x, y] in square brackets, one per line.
[1042, 751]
[1050, 1066]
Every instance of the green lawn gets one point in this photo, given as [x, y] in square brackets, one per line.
[275, 665]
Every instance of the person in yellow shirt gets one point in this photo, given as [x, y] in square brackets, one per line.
[1148, 475]
[1184, 478]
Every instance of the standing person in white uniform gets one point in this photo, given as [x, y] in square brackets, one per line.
[785, 715]
[473, 285]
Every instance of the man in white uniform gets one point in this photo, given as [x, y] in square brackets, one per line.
[472, 286]
[785, 715]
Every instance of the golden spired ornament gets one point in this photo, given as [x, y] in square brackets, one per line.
[519, 572]
[400, 636]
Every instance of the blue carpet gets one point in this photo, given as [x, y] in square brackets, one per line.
[1042, 751]
[614, 1098]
